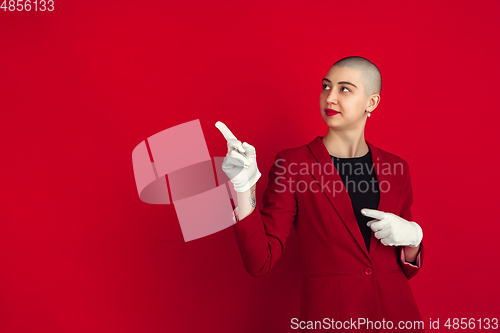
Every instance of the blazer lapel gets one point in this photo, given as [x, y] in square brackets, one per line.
[336, 192]
[389, 197]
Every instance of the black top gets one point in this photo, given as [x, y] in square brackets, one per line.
[360, 180]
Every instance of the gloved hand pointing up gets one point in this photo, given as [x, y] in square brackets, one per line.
[240, 163]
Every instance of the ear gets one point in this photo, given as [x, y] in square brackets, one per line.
[373, 101]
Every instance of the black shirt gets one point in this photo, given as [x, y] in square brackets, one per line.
[360, 180]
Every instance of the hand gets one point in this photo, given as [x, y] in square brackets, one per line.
[393, 230]
[240, 163]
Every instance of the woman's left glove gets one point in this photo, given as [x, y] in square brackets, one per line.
[393, 230]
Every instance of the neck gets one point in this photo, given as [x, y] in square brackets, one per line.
[345, 144]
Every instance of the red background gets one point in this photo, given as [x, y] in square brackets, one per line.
[80, 87]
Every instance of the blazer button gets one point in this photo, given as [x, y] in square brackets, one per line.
[368, 271]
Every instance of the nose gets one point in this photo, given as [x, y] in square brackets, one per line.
[331, 98]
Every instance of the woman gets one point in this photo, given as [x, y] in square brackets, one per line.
[350, 203]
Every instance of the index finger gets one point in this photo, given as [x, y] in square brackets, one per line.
[378, 214]
[228, 135]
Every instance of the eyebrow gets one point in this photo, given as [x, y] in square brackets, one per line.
[341, 82]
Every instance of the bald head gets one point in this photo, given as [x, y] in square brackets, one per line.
[372, 80]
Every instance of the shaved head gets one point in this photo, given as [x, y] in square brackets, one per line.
[372, 80]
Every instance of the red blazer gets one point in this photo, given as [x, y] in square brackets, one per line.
[340, 278]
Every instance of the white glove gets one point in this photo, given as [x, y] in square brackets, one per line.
[393, 230]
[240, 163]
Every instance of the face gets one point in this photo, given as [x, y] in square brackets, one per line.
[343, 91]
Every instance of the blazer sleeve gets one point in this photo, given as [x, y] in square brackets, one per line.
[410, 269]
[261, 235]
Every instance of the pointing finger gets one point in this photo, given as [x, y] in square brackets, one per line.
[232, 142]
[228, 135]
[378, 214]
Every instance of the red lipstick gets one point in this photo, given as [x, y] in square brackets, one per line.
[330, 112]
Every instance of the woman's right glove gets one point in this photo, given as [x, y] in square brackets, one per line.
[240, 163]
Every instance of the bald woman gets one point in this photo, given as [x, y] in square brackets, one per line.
[350, 203]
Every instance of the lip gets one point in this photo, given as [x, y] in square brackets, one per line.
[331, 112]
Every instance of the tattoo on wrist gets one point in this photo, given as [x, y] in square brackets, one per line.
[253, 201]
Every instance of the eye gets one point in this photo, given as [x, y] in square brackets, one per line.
[325, 86]
[345, 89]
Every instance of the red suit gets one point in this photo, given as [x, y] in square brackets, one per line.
[340, 278]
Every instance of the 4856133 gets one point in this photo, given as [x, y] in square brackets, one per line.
[27, 5]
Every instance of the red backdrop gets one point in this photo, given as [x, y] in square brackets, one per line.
[81, 86]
